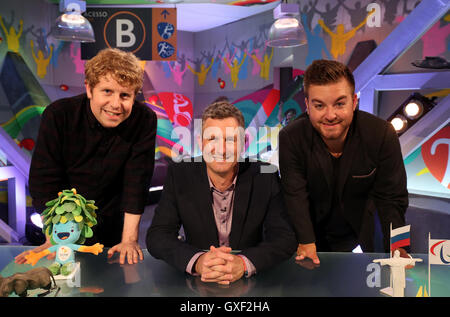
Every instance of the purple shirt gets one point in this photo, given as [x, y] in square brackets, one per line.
[223, 215]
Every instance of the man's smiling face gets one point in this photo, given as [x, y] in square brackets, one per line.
[330, 108]
[110, 102]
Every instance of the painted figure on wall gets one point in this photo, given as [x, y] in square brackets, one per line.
[316, 44]
[235, 68]
[201, 75]
[309, 11]
[264, 64]
[330, 14]
[241, 59]
[41, 61]
[357, 14]
[390, 10]
[177, 73]
[41, 40]
[12, 36]
[75, 55]
[340, 38]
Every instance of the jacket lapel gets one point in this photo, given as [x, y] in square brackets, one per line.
[321, 155]
[203, 202]
[350, 150]
[241, 201]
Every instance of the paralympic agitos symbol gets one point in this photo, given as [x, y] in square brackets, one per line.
[441, 252]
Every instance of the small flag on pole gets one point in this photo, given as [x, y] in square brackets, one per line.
[439, 251]
[400, 237]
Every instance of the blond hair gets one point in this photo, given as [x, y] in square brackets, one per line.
[123, 66]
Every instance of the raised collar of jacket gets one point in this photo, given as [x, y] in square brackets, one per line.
[230, 188]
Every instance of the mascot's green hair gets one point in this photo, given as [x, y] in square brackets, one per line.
[67, 207]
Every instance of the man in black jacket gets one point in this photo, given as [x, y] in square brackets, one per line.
[338, 164]
[232, 212]
[102, 143]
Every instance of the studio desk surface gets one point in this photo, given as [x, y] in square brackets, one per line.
[339, 274]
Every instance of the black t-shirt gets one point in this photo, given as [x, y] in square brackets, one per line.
[338, 235]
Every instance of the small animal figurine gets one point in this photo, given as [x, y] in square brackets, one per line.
[20, 283]
[68, 221]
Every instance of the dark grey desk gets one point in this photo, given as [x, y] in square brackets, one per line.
[340, 274]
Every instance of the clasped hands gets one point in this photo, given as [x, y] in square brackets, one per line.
[220, 266]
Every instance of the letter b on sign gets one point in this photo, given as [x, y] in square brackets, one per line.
[124, 33]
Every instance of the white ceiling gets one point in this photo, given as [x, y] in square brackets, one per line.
[196, 17]
[203, 16]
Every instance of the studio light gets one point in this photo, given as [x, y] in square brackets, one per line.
[71, 25]
[286, 31]
[37, 220]
[33, 229]
[413, 109]
[399, 123]
[410, 111]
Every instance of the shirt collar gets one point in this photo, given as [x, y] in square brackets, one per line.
[230, 188]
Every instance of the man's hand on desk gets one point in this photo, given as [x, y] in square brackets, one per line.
[307, 251]
[129, 247]
[220, 266]
[130, 250]
[307, 264]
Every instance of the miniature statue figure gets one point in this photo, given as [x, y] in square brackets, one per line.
[40, 277]
[398, 265]
[68, 221]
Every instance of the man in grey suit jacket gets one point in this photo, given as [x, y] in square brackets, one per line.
[338, 165]
[232, 212]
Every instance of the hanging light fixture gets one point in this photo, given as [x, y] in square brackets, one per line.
[286, 31]
[71, 25]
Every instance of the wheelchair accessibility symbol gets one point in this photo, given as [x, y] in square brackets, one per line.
[165, 30]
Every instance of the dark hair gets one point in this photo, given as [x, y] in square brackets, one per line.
[222, 110]
[324, 72]
[221, 98]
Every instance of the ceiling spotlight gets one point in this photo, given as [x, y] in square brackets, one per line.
[413, 109]
[399, 123]
[71, 25]
[286, 31]
[410, 111]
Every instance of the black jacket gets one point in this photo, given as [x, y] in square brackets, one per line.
[259, 225]
[372, 175]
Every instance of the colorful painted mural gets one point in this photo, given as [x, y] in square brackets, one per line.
[428, 167]
[232, 60]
